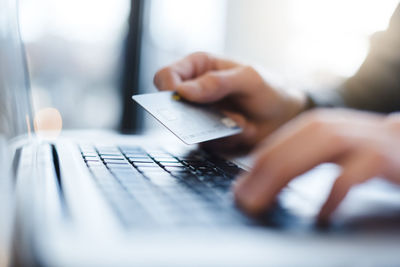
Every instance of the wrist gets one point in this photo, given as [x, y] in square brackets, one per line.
[392, 121]
[298, 102]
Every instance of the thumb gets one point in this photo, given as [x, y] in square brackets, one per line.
[216, 85]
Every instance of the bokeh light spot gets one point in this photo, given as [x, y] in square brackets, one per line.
[48, 123]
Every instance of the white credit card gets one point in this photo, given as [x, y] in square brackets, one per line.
[192, 123]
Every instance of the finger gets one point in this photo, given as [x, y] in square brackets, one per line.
[249, 130]
[187, 68]
[230, 141]
[236, 143]
[284, 159]
[216, 85]
[357, 168]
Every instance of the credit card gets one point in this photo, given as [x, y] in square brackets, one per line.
[192, 123]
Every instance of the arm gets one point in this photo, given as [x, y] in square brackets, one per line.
[376, 85]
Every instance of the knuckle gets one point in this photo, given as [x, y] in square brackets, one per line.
[199, 55]
[214, 82]
[377, 157]
[254, 75]
[250, 69]
[315, 121]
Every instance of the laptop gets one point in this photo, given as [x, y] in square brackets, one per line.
[103, 199]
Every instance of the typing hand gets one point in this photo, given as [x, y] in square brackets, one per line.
[242, 93]
[364, 145]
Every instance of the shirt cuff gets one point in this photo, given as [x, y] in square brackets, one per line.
[324, 98]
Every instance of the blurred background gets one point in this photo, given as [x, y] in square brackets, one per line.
[78, 58]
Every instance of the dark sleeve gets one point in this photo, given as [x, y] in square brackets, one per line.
[376, 85]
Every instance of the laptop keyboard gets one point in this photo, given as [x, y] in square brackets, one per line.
[154, 187]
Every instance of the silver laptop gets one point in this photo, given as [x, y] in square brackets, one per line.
[101, 199]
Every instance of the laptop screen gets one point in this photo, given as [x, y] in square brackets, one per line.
[15, 100]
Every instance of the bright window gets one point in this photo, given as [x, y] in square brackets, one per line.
[74, 51]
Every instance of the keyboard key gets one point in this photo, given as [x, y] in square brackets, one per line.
[204, 169]
[110, 154]
[113, 157]
[136, 154]
[172, 193]
[172, 164]
[91, 159]
[197, 164]
[140, 159]
[146, 164]
[233, 171]
[176, 169]
[165, 159]
[115, 161]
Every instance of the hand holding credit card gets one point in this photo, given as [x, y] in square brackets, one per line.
[192, 123]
